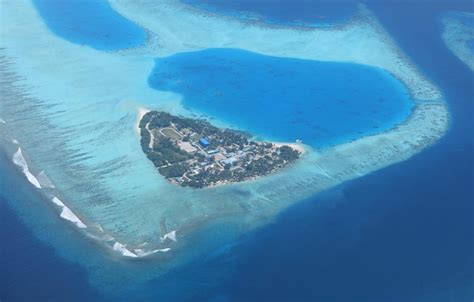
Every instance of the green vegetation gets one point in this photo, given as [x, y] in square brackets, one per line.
[288, 154]
[172, 144]
[173, 170]
[168, 151]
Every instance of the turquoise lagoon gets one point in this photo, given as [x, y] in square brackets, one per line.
[284, 99]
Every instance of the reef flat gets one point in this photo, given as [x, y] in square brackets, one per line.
[458, 35]
[83, 102]
[182, 28]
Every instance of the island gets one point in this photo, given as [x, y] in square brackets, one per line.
[193, 153]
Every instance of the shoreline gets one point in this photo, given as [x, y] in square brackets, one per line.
[296, 146]
[141, 111]
[300, 147]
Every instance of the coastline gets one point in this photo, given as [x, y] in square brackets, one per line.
[141, 111]
[302, 149]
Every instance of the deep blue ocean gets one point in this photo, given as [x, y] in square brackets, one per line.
[405, 233]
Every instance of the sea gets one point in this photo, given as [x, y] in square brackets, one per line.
[404, 233]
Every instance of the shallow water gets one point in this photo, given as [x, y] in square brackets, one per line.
[464, 32]
[313, 13]
[321, 103]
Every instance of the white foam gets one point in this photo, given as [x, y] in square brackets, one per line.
[171, 235]
[123, 250]
[107, 237]
[2, 121]
[58, 201]
[44, 180]
[144, 253]
[99, 227]
[15, 142]
[67, 214]
[100, 237]
[19, 160]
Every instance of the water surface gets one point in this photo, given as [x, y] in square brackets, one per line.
[321, 103]
[318, 13]
[90, 22]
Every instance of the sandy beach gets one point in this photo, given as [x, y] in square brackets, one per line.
[296, 146]
[140, 113]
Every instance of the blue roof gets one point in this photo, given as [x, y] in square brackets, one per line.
[204, 141]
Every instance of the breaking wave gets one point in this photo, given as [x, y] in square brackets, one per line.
[67, 214]
[119, 247]
[19, 160]
[94, 231]
[144, 253]
[171, 235]
[45, 181]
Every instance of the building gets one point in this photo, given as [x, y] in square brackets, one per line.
[204, 142]
[229, 161]
[210, 152]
